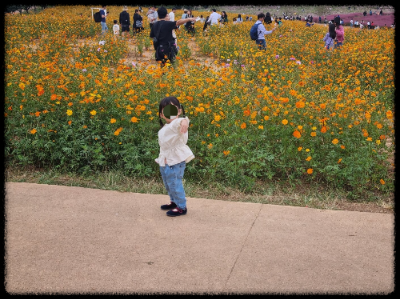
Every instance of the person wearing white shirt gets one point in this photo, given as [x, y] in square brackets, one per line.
[351, 23]
[261, 31]
[214, 17]
[172, 15]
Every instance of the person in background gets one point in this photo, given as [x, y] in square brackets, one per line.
[329, 38]
[320, 19]
[206, 22]
[152, 16]
[116, 28]
[172, 15]
[103, 14]
[339, 33]
[262, 45]
[224, 18]
[184, 15]
[125, 21]
[267, 19]
[189, 26]
[137, 22]
[214, 17]
[351, 23]
[239, 19]
[201, 19]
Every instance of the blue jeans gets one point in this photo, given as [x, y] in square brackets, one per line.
[104, 27]
[172, 177]
[262, 45]
[338, 44]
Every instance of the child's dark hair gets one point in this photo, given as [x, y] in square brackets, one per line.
[166, 101]
[332, 31]
[115, 21]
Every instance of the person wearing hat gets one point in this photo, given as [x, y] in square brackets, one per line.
[339, 33]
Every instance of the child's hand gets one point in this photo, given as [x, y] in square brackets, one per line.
[184, 126]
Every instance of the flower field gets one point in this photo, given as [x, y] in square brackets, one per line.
[293, 112]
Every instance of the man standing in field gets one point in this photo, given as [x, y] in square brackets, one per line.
[214, 17]
[261, 31]
[103, 14]
[124, 21]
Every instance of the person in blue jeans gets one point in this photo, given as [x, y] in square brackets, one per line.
[261, 31]
[104, 27]
[174, 154]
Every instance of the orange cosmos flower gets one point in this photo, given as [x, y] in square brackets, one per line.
[33, 131]
[323, 129]
[335, 141]
[308, 158]
[285, 121]
[226, 153]
[382, 182]
[296, 134]
[134, 119]
[313, 134]
[113, 120]
[93, 112]
[310, 171]
[299, 148]
[340, 160]
[243, 126]
[116, 133]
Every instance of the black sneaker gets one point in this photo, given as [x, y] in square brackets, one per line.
[169, 206]
[176, 212]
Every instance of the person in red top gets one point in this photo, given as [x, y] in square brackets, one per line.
[339, 33]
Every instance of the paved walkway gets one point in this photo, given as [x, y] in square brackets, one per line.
[78, 240]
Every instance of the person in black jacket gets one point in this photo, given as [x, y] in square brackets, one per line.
[165, 42]
[137, 22]
[124, 21]
[267, 19]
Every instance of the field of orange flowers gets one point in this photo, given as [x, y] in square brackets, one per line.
[293, 112]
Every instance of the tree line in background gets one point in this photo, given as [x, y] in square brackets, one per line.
[25, 8]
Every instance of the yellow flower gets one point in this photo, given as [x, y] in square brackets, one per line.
[378, 142]
[113, 120]
[335, 141]
[69, 112]
[93, 112]
[261, 127]
[313, 134]
[307, 150]
[217, 118]
[285, 122]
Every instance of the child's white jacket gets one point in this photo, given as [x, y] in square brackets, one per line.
[172, 143]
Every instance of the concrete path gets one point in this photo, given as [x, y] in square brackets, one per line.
[78, 240]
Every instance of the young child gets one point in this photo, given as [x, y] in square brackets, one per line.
[329, 38]
[116, 28]
[174, 154]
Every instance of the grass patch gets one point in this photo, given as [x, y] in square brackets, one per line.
[265, 192]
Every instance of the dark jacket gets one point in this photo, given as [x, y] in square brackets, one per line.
[124, 18]
[137, 17]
